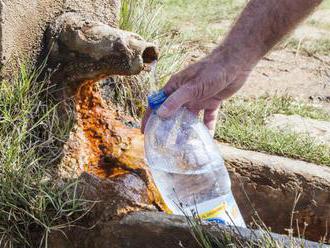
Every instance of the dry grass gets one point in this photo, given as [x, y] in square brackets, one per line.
[32, 135]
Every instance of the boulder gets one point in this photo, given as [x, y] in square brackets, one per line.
[152, 229]
[24, 22]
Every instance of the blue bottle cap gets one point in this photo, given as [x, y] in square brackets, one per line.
[156, 99]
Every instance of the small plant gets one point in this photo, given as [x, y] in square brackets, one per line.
[309, 47]
[31, 134]
[209, 235]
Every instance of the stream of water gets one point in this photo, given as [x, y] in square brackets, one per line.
[153, 77]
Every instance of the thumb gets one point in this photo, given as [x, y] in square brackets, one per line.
[181, 96]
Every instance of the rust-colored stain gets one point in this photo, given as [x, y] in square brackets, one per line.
[111, 148]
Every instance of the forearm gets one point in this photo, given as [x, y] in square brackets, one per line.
[260, 26]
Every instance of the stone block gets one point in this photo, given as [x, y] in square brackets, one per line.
[24, 22]
[270, 185]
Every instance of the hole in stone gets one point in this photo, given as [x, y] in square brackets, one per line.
[149, 55]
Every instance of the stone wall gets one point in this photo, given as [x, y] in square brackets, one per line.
[23, 25]
[152, 229]
[279, 189]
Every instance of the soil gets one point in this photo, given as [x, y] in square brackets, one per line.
[285, 72]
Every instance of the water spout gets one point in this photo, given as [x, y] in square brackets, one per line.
[81, 50]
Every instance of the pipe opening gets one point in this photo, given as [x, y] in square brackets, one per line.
[149, 55]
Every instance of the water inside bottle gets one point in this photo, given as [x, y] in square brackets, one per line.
[187, 167]
[191, 187]
[153, 76]
[206, 194]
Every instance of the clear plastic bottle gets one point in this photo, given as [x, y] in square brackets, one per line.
[187, 167]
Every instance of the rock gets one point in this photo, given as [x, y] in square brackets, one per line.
[270, 184]
[114, 198]
[82, 49]
[101, 145]
[23, 25]
[150, 230]
[319, 130]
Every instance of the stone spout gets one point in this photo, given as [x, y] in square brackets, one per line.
[81, 50]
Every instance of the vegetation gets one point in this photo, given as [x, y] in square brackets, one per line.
[243, 125]
[309, 47]
[31, 137]
[32, 134]
[313, 44]
[231, 237]
[145, 17]
[200, 23]
[244, 120]
[259, 237]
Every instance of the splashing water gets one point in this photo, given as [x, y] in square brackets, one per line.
[153, 76]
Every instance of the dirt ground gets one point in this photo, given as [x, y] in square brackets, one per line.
[289, 70]
[286, 72]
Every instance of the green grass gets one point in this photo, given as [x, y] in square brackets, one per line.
[243, 125]
[32, 135]
[217, 237]
[145, 17]
[192, 18]
[309, 47]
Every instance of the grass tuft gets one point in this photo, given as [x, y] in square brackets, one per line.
[309, 47]
[32, 136]
[243, 125]
[145, 17]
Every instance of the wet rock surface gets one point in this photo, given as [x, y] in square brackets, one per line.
[112, 157]
[114, 198]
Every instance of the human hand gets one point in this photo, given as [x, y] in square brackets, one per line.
[200, 87]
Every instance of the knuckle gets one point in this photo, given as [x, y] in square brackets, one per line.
[191, 90]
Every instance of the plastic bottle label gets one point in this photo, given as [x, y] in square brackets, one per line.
[225, 212]
[214, 212]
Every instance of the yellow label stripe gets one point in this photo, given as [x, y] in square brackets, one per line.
[213, 212]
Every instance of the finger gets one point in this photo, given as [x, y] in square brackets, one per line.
[173, 84]
[145, 119]
[181, 96]
[210, 119]
[180, 78]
